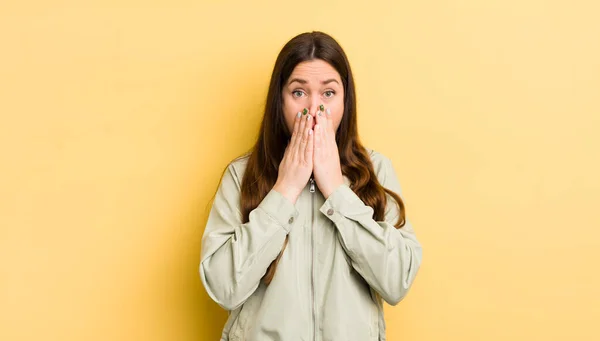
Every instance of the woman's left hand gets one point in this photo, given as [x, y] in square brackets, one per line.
[326, 160]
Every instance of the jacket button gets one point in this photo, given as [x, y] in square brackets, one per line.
[291, 220]
[330, 211]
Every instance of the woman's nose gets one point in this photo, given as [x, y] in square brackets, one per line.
[314, 106]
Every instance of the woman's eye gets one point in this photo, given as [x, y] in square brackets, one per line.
[329, 93]
[297, 93]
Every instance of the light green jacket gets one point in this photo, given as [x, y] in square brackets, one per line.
[336, 271]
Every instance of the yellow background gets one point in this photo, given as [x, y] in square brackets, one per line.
[118, 117]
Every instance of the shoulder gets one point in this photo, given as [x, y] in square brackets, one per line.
[385, 171]
[382, 165]
[237, 167]
[240, 162]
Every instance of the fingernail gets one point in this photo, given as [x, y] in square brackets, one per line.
[310, 132]
[309, 117]
[319, 113]
[305, 111]
[328, 111]
[299, 114]
[322, 107]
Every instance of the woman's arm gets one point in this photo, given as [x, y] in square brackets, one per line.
[386, 257]
[236, 256]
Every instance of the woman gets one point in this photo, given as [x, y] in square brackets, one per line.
[307, 234]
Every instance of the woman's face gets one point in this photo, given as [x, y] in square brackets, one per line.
[311, 84]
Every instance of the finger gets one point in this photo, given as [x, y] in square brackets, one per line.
[319, 120]
[329, 120]
[305, 137]
[324, 123]
[329, 138]
[297, 121]
[318, 139]
[300, 136]
[295, 132]
[324, 139]
[308, 154]
[320, 116]
[301, 130]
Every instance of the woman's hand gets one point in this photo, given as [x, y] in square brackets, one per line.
[327, 169]
[297, 163]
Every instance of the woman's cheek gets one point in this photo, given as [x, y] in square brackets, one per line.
[338, 115]
[335, 101]
[291, 106]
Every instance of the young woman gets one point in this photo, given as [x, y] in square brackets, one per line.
[307, 235]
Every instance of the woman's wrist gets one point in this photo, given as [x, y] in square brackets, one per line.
[287, 192]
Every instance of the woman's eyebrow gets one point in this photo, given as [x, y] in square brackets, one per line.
[329, 81]
[303, 81]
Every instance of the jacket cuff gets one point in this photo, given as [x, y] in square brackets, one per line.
[280, 209]
[340, 203]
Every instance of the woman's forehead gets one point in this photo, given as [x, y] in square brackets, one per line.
[316, 70]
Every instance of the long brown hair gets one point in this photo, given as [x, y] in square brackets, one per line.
[263, 163]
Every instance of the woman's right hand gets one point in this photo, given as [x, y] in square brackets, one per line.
[297, 163]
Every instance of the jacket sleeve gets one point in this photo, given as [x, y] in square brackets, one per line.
[235, 256]
[387, 258]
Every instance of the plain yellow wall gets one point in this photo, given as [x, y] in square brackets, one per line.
[117, 118]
